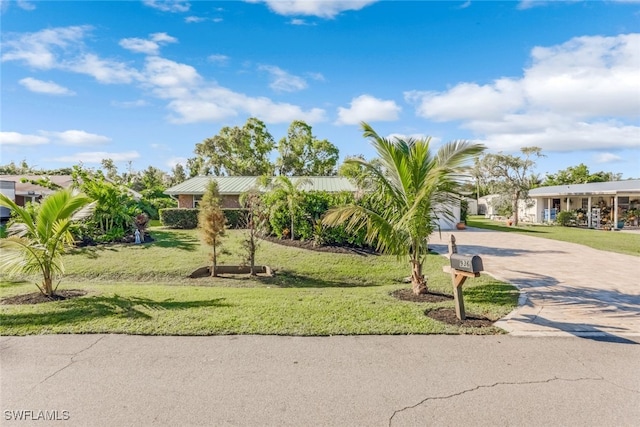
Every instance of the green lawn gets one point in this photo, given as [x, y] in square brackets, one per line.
[612, 241]
[143, 289]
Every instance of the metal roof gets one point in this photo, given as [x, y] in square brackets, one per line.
[230, 185]
[595, 188]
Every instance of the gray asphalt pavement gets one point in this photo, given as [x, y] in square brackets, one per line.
[116, 380]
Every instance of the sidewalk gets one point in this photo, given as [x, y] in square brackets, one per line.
[566, 289]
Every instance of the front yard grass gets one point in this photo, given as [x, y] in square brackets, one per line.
[611, 241]
[143, 289]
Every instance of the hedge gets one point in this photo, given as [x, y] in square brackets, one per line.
[179, 218]
[188, 218]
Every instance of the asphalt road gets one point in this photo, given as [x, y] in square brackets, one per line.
[117, 380]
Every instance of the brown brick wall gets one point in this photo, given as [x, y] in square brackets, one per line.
[185, 201]
[230, 202]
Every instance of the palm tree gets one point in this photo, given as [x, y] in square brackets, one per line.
[37, 240]
[292, 194]
[412, 188]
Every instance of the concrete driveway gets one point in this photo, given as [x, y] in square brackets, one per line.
[566, 289]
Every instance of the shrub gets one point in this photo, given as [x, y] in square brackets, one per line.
[179, 218]
[565, 218]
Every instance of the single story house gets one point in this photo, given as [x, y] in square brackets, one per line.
[189, 192]
[597, 203]
[27, 192]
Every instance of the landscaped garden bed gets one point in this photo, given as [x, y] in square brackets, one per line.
[144, 289]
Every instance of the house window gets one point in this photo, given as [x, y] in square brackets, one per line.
[585, 203]
[556, 204]
[196, 201]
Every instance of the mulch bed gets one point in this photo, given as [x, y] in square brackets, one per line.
[309, 245]
[442, 314]
[39, 298]
[448, 316]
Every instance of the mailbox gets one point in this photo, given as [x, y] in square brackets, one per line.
[468, 263]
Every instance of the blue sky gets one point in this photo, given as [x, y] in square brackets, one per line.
[144, 81]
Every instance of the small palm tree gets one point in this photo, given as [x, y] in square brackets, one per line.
[292, 194]
[37, 240]
[412, 188]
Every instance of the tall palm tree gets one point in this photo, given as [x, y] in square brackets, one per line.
[412, 189]
[36, 241]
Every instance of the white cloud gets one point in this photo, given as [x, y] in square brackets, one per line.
[149, 46]
[97, 156]
[607, 158]
[41, 49]
[173, 161]
[194, 19]
[469, 100]
[77, 138]
[282, 81]
[563, 101]
[173, 6]
[465, 5]
[130, 104]
[26, 5]
[298, 21]
[368, 109]
[49, 88]
[103, 70]
[218, 59]
[319, 8]
[15, 138]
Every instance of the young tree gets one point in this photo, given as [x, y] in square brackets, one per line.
[37, 240]
[510, 176]
[239, 151]
[211, 222]
[252, 202]
[413, 187]
[302, 154]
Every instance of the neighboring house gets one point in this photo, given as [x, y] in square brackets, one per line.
[27, 192]
[486, 205]
[8, 188]
[190, 192]
[597, 202]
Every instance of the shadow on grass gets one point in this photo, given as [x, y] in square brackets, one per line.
[287, 279]
[496, 227]
[173, 239]
[89, 308]
[492, 293]
[7, 283]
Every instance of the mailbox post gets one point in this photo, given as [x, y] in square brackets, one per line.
[462, 266]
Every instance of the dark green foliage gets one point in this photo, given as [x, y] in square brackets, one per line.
[307, 219]
[152, 206]
[179, 218]
[236, 218]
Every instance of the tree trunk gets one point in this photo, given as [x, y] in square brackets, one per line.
[214, 273]
[292, 226]
[515, 208]
[418, 282]
[47, 286]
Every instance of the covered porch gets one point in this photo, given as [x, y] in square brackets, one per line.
[606, 205]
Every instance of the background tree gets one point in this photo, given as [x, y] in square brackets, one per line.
[38, 238]
[413, 188]
[579, 175]
[211, 222]
[110, 170]
[510, 176]
[196, 166]
[301, 154]
[178, 174]
[239, 151]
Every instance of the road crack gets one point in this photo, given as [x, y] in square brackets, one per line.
[71, 361]
[406, 408]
